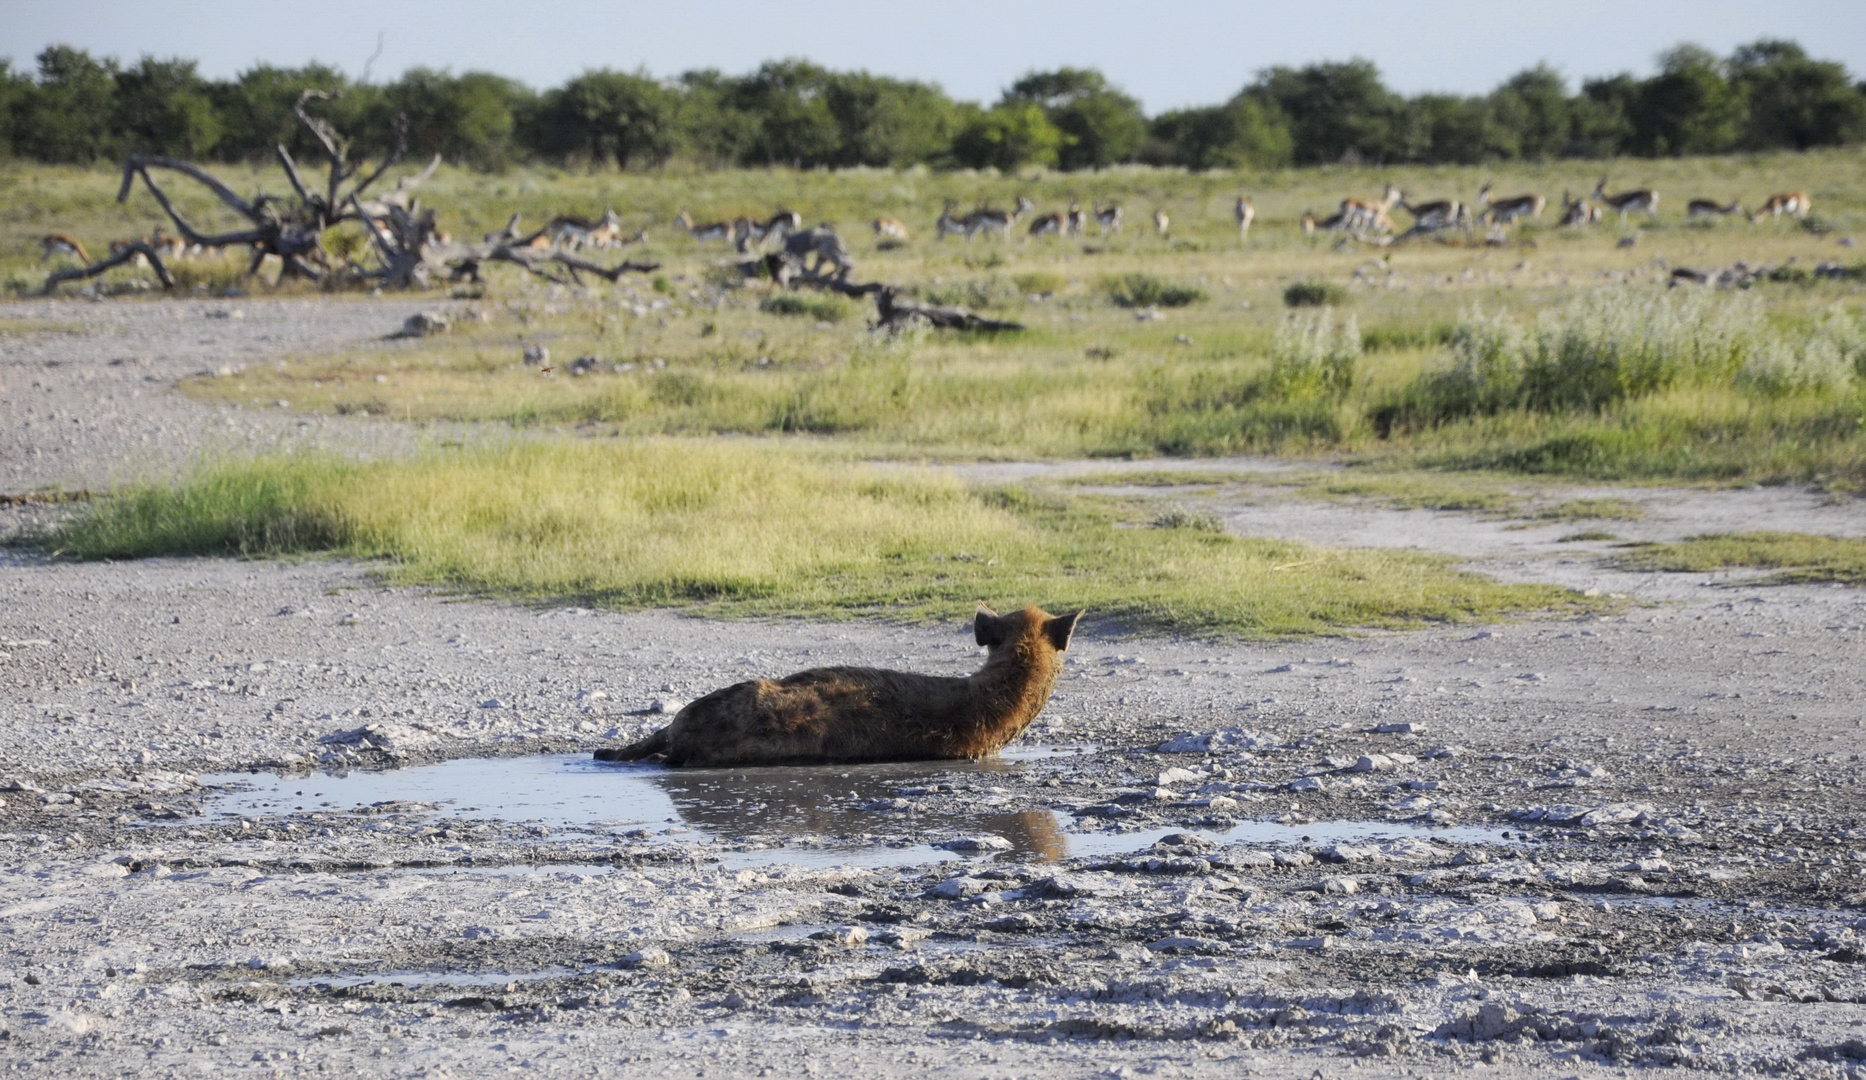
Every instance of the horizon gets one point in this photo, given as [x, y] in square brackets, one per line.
[1144, 59]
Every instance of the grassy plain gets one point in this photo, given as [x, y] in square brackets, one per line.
[680, 353]
[1797, 557]
[1411, 374]
[733, 528]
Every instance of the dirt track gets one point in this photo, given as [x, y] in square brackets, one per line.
[1682, 883]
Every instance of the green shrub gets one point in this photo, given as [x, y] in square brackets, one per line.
[1143, 290]
[1315, 294]
[1040, 281]
[822, 308]
[991, 291]
[1314, 356]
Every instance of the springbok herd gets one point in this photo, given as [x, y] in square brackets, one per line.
[1368, 221]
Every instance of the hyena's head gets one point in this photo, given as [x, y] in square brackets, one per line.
[1032, 636]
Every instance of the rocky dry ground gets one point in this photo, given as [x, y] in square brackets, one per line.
[1630, 841]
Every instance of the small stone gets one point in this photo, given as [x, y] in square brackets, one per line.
[1306, 783]
[846, 936]
[976, 844]
[1403, 728]
[1340, 886]
[666, 705]
[492, 703]
[1326, 941]
[1371, 763]
[958, 888]
[648, 957]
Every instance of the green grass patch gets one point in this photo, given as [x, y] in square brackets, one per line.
[1801, 557]
[1586, 535]
[818, 306]
[1592, 509]
[739, 529]
[1144, 290]
[1314, 294]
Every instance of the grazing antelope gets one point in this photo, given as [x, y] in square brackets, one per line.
[1161, 223]
[1051, 224]
[1793, 203]
[1245, 214]
[1076, 222]
[1507, 211]
[1109, 218]
[712, 230]
[948, 223]
[59, 243]
[1334, 222]
[1703, 208]
[1359, 215]
[1578, 212]
[568, 230]
[781, 224]
[988, 221]
[1644, 199]
[887, 228]
[1440, 214]
[822, 242]
[840, 714]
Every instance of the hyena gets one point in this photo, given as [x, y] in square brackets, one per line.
[869, 714]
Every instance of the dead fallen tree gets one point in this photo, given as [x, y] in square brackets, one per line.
[539, 261]
[794, 268]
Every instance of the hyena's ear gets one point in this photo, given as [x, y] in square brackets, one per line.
[1059, 629]
[987, 627]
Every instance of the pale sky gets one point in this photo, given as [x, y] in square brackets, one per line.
[1166, 53]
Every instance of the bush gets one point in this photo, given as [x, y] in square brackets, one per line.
[1313, 356]
[1315, 294]
[1040, 281]
[1142, 290]
[821, 308]
[991, 291]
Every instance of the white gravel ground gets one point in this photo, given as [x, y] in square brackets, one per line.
[1682, 884]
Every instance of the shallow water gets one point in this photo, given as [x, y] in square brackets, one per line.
[818, 816]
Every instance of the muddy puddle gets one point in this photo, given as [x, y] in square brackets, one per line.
[880, 815]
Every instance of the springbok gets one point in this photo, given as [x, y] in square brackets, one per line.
[712, 230]
[1245, 214]
[986, 220]
[1644, 199]
[1162, 224]
[1359, 215]
[1076, 222]
[59, 243]
[1051, 224]
[171, 248]
[571, 231]
[948, 223]
[1578, 212]
[1440, 214]
[1109, 218]
[1704, 208]
[781, 224]
[887, 228]
[1334, 222]
[1507, 211]
[1793, 203]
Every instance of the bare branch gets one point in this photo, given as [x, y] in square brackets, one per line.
[291, 173]
[143, 162]
[395, 155]
[188, 231]
[122, 255]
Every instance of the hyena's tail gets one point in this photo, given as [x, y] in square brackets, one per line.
[635, 751]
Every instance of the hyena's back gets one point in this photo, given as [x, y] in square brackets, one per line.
[836, 714]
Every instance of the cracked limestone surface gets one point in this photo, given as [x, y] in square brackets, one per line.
[1582, 846]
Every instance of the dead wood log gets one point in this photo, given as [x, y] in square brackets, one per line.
[897, 310]
[124, 253]
[291, 229]
[538, 260]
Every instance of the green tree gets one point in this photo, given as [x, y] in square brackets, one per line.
[16, 90]
[1536, 108]
[467, 119]
[1006, 137]
[1794, 101]
[608, 116]
[1602, 117]
[1101, 126]
[165, 107]
[882, 121]
[1337, 111]
[1688, 108]
[1242, 133]
[790, 123]
[67, 116]
[1448, 129]
[256, 110]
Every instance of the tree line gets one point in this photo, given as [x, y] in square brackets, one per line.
[80, 109]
